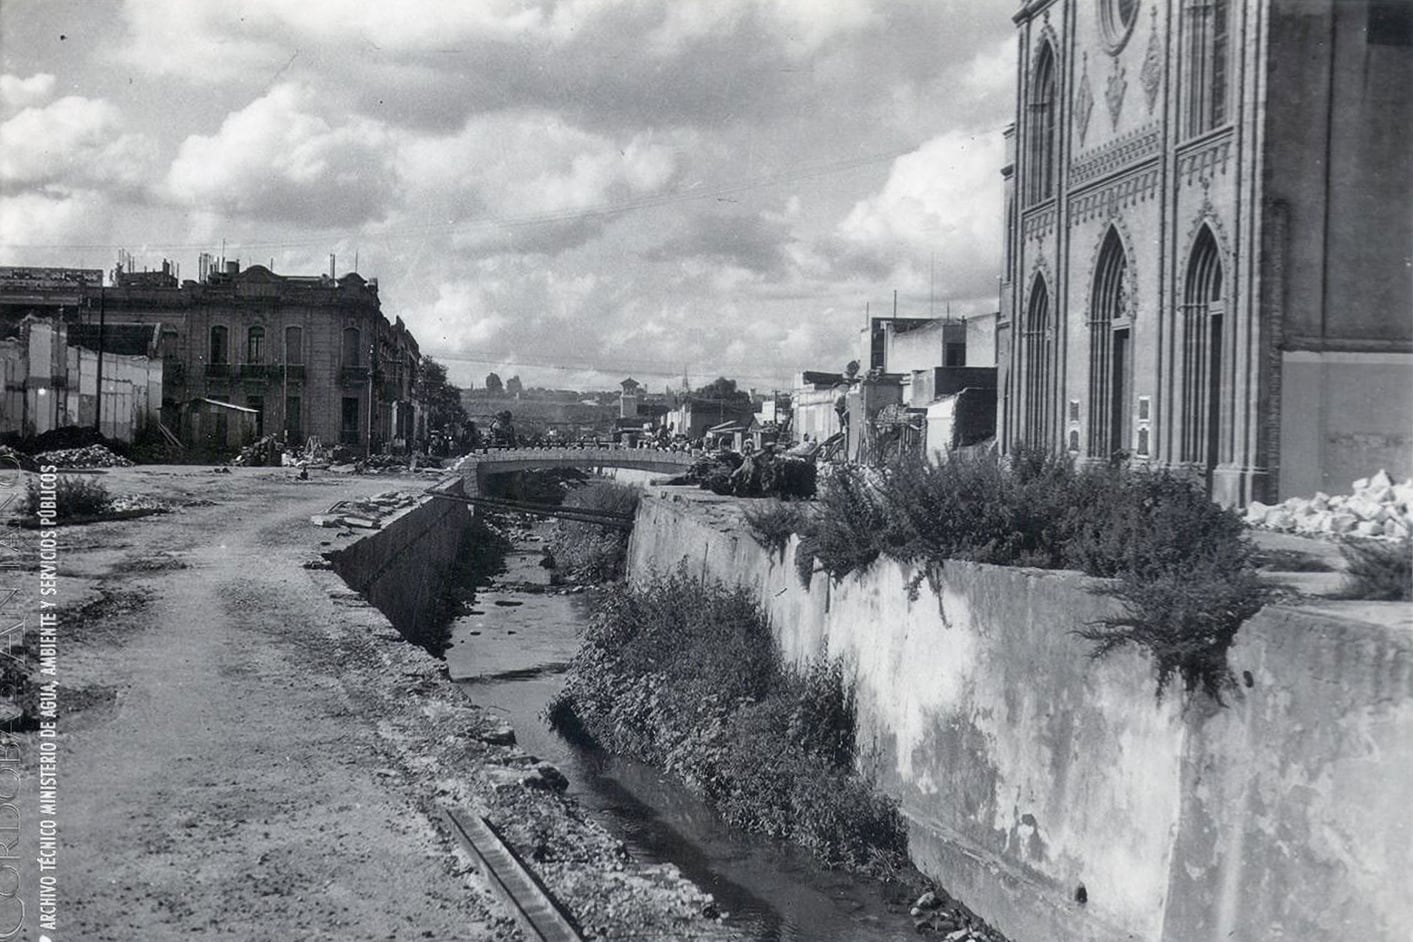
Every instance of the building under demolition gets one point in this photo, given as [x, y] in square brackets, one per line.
[297, 356]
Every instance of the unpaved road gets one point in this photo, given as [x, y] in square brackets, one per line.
[219, 782]
[248, 750]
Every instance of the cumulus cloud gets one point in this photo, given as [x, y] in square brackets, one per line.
[18, 92]
[38, 219]
[74, 140]
[942, 201]
[528, 181]
[278, 158]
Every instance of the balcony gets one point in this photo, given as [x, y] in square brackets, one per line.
[258, 372]
[353, 376]
[293, 372]
[218, 371]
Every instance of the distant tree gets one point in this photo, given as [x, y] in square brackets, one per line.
[493, 383]
[513, 387]
[725, 390]
[503, 429]
[441, 398]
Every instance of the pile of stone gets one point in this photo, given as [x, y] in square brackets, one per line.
[366, 514]
[936, 912]
[91, 456]
[263, 453]
[1377, 509]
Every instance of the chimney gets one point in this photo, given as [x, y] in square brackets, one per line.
[233, 268]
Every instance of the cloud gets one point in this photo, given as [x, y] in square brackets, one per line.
[16, 92]
[75, 141]
[278, 158]
[942, 202]
[39, 219]
[527, 181]
[752, 243]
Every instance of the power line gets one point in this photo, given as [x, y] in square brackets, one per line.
[526, 220]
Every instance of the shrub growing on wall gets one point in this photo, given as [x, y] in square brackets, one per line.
[1184, 572]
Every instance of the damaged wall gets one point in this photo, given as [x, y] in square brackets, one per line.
[1028, 771]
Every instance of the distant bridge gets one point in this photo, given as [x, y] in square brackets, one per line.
[479, 465]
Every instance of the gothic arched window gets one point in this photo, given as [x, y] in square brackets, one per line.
[1038, 344]
[1206, 31]
[1200, 368]
[1042, 109]
[1109, 368]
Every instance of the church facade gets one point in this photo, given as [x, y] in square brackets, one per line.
[1208, 237]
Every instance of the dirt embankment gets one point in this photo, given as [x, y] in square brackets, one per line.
[247, 750]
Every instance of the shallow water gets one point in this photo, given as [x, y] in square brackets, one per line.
[512, 652]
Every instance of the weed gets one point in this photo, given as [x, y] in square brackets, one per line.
[1378, 571]
[74, 496]
[773, 523]
[685, 675]
[590, 552]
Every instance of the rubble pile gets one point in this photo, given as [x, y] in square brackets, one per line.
[259, 454]
[1377, 508]
[936, 912]
[365, 514]
[91, 456]
[128, 502]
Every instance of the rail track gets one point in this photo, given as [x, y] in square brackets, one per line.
[537, 912]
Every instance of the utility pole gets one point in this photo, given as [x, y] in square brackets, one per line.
[102, 319]
[372, 352]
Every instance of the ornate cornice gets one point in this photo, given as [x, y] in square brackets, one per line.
[1038, 222]
[1133, 188]
[1117, 154]
[1205, 159]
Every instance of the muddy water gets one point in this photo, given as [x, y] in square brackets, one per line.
[512, 653]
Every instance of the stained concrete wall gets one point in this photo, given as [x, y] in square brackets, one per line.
[1026, 770]
[403, 567]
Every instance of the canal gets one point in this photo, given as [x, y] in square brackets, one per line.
[511, 653]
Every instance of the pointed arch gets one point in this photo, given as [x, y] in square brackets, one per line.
[1202, 309]
[1042, 119]
[1110, 367]
[1038, 338]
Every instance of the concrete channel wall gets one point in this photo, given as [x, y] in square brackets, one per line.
[1028, 771]
[402, 567]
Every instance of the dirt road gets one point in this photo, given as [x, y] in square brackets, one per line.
[216, 779]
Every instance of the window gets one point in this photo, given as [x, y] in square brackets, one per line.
[954, 354]
[293, 424]
[220, 345]
[1201, 353]
[348, 425]
[1208, 53]
[1037, 363]
[351, 345]
[1116, 19]
[168, 343]
[294, 345]
[255, 345]
[1041, 117]
[258, 404]
[1108, 352]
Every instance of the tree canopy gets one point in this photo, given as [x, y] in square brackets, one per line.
[443, 400]
[493, 383]
[723, 389]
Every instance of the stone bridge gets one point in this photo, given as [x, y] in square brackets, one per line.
[477, 466]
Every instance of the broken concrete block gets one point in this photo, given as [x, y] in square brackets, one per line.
[1381, 480]
[1368, 528]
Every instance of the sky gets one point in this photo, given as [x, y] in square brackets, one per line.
[570, 191]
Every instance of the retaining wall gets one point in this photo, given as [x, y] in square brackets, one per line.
[403, 567]
[1027, 770]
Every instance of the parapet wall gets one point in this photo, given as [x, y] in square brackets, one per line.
[1028, 771]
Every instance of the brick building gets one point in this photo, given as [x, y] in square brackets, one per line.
[1207, 238]
[310, 355]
